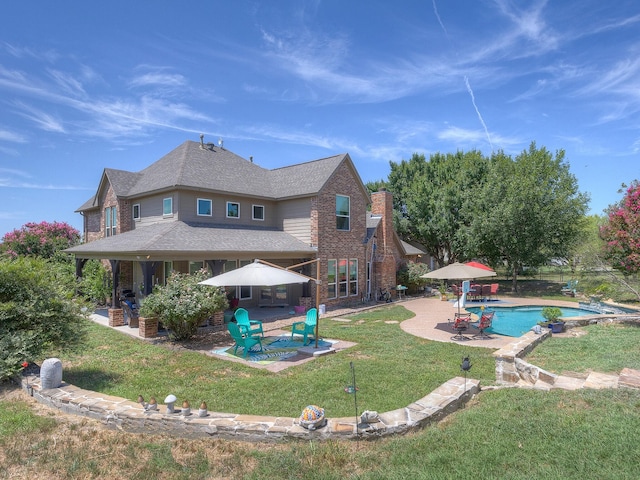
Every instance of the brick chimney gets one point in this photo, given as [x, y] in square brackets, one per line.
[382, 204]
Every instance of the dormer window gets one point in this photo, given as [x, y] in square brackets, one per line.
[233, 210]
[167, 207]
[343, 212]
[205, 207]
[258, 212]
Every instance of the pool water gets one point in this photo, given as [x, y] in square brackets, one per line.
[516, 321]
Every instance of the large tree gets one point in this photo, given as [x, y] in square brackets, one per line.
[533, 210]
[434, 201]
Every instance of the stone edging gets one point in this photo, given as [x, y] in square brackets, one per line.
[120, 413]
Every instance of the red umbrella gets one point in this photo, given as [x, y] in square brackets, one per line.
[479, 265]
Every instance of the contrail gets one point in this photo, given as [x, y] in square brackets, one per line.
[466, 80]
[473, 101]
[435, 10]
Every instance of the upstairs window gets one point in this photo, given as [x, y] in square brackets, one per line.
[204, 207]
[258, 212]
[233, 210]
[343, 211]
[167, 206]
[110, 221]
[136, 211]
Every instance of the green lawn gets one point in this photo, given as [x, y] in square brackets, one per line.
[506, 433]
[393, 369]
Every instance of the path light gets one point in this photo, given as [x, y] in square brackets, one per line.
[465, 367]
[186, 408]
[352, 389]
[170, 402]
[202, 412]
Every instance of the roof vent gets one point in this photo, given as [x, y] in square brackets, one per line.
[202, 141]
[220, 142]
[251, 158]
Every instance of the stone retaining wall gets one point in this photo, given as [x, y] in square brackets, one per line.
[120, 413]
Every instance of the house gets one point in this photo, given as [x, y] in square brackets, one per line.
[201, 205]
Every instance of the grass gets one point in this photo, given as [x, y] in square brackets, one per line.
[504, 433]
[605, 348]
[126, 367]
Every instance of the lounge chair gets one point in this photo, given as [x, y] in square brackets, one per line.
[486, 292]
[485, 322]
[570, 288]
[460, 323]
[307, 327]
[249, 327]
[245, 341]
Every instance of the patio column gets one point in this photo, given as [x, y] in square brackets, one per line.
[115, 272]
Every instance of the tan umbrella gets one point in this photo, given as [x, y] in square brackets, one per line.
[459, 271]
[256, 274]
[261, 273]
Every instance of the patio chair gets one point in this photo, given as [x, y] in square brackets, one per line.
[249, 327]
[485, 322]
[247, 342]
[459, 324]
[570, 288]
[486, 292]
[305, 328]
[494, 291]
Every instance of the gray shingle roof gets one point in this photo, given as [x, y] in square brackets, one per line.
[218, 170]
[165, 239]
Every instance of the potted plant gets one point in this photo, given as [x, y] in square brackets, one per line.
[552, 316]
[442, 288]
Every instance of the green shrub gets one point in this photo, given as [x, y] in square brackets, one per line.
[182, 304]
[38, 313]
[95, 284]
[409, 275]
[551, 314]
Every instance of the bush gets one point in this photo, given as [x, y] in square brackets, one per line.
[38, 313]
[551, 314]
[182, 304]
[95, 284]
[409, 275]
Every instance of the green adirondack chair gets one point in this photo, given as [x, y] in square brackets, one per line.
[250, 327]
[307, 327]
[244, 341]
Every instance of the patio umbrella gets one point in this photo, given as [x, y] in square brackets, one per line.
[479, 265]
[256, 274]
[261, 273]
[459, 271]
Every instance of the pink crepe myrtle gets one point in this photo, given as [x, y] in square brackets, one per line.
[622, 232]
[42, 239]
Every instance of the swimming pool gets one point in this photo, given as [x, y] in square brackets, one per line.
[516, 321]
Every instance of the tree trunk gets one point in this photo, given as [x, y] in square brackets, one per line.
[514, 280]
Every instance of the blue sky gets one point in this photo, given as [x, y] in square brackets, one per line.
[88, 85]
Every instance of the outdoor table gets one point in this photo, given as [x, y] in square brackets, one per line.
[401, 291]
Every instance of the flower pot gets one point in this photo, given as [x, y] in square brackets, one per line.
[557, 327]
